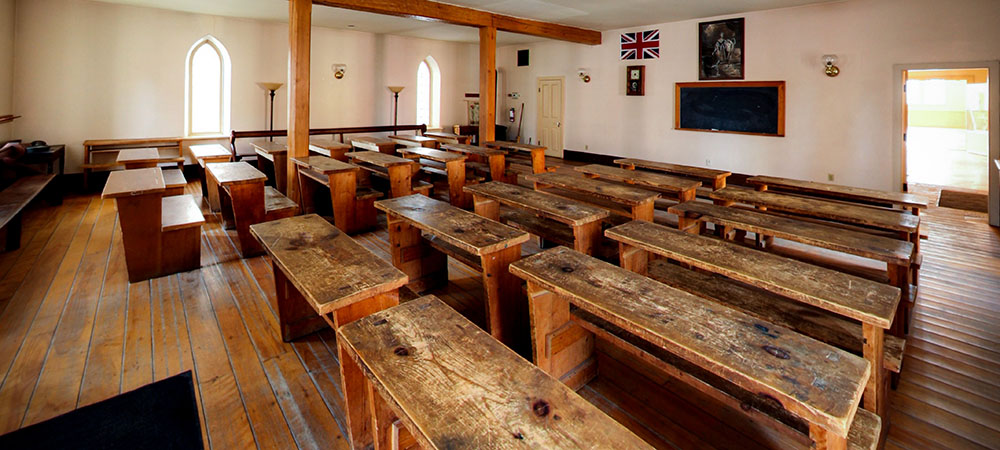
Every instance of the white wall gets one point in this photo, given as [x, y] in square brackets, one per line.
[6, 64]
[837, 125]
[89, 70]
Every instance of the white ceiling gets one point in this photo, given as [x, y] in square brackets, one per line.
[594, 14]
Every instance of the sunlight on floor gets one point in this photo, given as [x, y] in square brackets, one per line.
[947, 157]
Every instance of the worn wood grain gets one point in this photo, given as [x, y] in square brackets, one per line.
[379, 159]
[231, 173]
[560, 209]
[473, 149]
[617, 193]
[324, 165]
[840, 191]
[454, 386]
[329, 148]
[448, 138]
[674, 185]
[129, 183]
[716, 177]
[413, 140]
[383, 145]
[433, 155]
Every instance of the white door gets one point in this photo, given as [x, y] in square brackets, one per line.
[550, 115]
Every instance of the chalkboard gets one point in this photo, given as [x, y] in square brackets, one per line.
[747, 107]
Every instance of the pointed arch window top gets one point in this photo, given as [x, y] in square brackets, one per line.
[207, 88]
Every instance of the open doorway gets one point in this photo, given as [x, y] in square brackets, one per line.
[948, 134]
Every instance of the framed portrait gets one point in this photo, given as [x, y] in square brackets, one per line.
[721, 53]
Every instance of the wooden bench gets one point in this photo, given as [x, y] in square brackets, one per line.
[542, 214]
[483, 244]
[715, 178]
[353, 208]
[495, 160]
[681, 189]
[448, 138]
[537, 153]
[276, 156]
[161, 235]
[329, 148]
[246, 201]
[13, 200]
[322, 278]
[478, 394]
[376, 144]
[627, 201]
[871, 303]
[174, 181]
[413, 140]
[575, 299]
[869, 196]
[454, 170]
[209, 153]
[399, 172]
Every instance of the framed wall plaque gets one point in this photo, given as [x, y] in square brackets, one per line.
[635, 80]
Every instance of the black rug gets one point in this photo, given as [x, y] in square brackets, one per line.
[161, 415]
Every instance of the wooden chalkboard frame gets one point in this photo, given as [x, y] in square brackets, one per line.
[781, 103]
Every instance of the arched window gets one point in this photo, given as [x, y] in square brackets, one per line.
[429, 93]
[207, 92]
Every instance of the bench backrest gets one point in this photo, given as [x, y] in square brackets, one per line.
[813, 380]
[617, 193]
[560, 209]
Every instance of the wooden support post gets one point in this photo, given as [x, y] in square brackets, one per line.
[506, 309]
[426, 267]
[486, 207]
[296, 317]
[299, 40]
[559, 347]
[876, 392]
[487, 83]
[633, 259]
[587, 237]
[456, 183]
[643, 211]
[343, 195]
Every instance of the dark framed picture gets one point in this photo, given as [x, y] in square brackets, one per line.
[635, 80]
[721, 50]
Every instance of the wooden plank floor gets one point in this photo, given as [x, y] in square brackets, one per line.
[73, 331]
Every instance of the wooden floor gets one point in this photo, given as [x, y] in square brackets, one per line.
[73, 331]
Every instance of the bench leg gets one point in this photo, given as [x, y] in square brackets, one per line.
[633, 259]
[643, 211]
[382, 418]
[400, 181]
[139, 218]
[247, 209]
[456, 184]
[426, 267]
[587, 237]
[825, 440]
[295, 316]
[343, 195]
[13, 239]
[498, 165]
[506, 309]
[876, 392]
[559, 347]
[485, 207]
[899, 276]
[307, 194]
[212, 188]
[281, 173]
[538, 161]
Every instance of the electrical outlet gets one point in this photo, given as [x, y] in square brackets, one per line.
[586, 147]
[708, 163]
[829, 177]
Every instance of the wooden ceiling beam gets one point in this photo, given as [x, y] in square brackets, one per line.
[459, 15]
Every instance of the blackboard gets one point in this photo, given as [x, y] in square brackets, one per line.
[747, 107]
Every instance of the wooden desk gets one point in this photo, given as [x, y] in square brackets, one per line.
[240, 189]
[914, 202]
[323, 277]
[412, 140]
[209, 153]
[475, 240]
[496, 158]
[139, 158]
[277, 154]
[681, 189]
[387, 146]
[329, 148]
[351, 212]
[717, 178]
[95, 147]
[438, 390]
[537, 152]
[454, 167]
[138, 194]
[400, 170]
[583, 220]
[873, 304]
[449, 138]
[637, 203]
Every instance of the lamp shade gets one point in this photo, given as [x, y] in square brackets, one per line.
[269, 86]
[396, 89]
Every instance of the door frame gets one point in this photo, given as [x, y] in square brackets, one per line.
[899, 160]
[558, 153]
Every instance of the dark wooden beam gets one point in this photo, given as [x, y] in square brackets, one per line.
[299, 42]
[459, 15]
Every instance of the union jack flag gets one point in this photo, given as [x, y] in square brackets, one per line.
[641, 45]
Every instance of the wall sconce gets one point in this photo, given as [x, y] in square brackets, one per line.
[339, 70]
[582, 73]
[831, 65]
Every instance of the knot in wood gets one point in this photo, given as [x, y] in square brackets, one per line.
[567, 269]
[401, 351]
[380, 322]
[777, 352]
[540, 408]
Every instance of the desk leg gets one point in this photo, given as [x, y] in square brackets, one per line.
[307, 193]
[498, 166]
[687, 195]
[693, 225]
[281, 173]
[248, 209]
[400, 181]
[643, 211]
[587, 237]
[296, 316]
[456, 183]
[486, 207]
[214, 204]
[344, 194]
[139, 218]
[506, 309]
[876, 392]
[426, 267]
[899, 276]
[826, 440]
[538, 160]
[382, 419]
[633, 259]
[559, 347]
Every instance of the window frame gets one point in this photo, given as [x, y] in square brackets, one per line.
[225, 87]
[434, 92]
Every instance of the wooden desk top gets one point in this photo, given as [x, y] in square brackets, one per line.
[458, 227]
[615, 192]
[864, 300]
[473, 149]
[560, 209]
[691, 171]
[825, 209]
[458, 387]
[508, 145]
[379, 159]
[894, 251]
[138, 155]
[328, 144]
[329, 268]
[412, 138]
[433, 155]
[269, 146]
[373, 139]
[127, 183]
[209, 151]
[655, 180]
[846, 192]
[228, 173]
[324, 165]
[448, 136]
[756, 355]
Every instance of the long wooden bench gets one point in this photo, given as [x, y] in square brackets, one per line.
[448, 138]
[13, 200]
[491, 162]
[454, 170]
[413, 140]
[715, 178]
[322, 278]
[375, 144]
[574, 299]
[486, 245]
[870, 196]
[537, 153]
[246, 201]
[478, 394]
[627, 201]
[542, 214]
[353, 207]
[399, 172]
[329, 148]
[871, 303]
[678, 188]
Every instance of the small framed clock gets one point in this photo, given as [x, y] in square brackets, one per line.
[635, 80]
